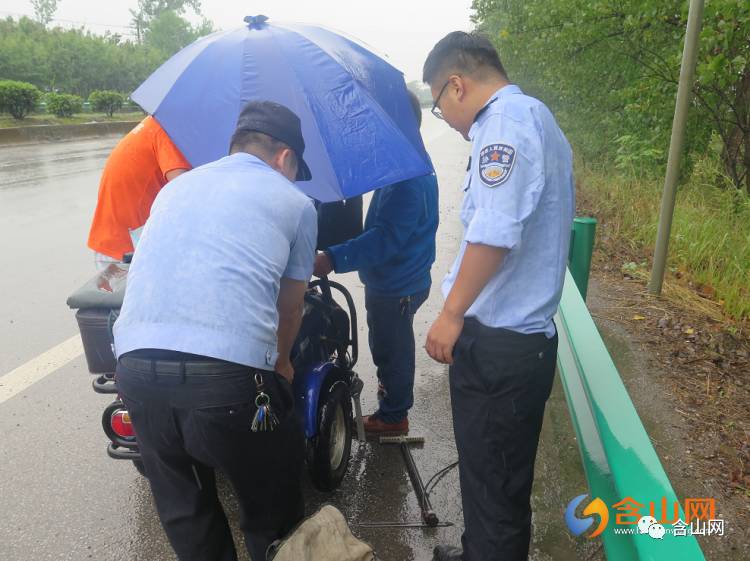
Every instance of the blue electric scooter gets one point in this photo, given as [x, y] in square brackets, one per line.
[324, 356]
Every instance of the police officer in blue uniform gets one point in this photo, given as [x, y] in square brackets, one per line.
[213, 305]
[495, 329]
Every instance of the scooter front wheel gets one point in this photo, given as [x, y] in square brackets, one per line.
[331, 448]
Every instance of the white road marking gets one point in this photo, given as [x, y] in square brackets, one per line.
[18, 379]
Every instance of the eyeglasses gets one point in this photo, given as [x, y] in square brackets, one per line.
[435, 109]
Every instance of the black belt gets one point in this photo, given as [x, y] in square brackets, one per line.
[474, 327]
[183, 367]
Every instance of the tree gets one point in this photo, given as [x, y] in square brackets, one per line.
[152, 8]
[18, 98]
[106, 101]
[148, 10]
[72, 60]
[723, 83]
[168, 32]
[23, 52]
[78, 62]
[617, 64]
[44, 10]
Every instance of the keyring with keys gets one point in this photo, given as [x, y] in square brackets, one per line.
[265, 418]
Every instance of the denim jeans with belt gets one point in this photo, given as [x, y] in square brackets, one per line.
[188, 425]
[390, 320]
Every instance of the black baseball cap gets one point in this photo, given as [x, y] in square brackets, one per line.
[279, 122]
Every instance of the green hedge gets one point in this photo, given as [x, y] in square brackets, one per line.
[18, 98]
[64, 105]
[106, 101]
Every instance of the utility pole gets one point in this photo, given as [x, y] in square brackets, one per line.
[684, 94]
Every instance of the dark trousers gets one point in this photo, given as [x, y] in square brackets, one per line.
[390, 321]
[500, 381]
[186, 427]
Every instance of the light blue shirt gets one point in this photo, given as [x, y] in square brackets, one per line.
[205, 277]
[519, 195]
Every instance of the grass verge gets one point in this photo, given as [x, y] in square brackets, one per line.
[6, 121]
[709, 251]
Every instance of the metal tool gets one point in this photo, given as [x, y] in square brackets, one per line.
[428, 514]
[401, 525]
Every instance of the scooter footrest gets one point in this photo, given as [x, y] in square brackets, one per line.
[121, 453]
[104, 384]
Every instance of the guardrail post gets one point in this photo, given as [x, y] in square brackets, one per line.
[581, 249]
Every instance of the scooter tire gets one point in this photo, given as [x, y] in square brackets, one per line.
[331, 448]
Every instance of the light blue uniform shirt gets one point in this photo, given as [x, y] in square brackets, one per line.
[519, 195]
[205, 277]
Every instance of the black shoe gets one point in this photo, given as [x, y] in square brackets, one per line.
[447, 553]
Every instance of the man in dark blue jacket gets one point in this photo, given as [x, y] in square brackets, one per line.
[393, 255]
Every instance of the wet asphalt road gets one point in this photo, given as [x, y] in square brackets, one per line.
[62, 498]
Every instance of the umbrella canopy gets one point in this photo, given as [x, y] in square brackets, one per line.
[360, 131]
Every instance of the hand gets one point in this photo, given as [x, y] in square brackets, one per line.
[323, 265]
[284, 368]
[442, 337]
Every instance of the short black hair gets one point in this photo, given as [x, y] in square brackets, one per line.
[416, 107]
[256, 143]
[462, 53]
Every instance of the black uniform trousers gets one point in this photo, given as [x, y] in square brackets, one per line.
[192, 416]
[500, 381]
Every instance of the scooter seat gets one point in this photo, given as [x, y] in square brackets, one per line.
[105, 290]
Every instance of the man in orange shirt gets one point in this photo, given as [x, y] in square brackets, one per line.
[139, 166]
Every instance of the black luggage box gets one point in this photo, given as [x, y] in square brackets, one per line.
[98, 303]
[95, 325]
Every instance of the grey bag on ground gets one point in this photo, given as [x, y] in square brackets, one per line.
[324, 536]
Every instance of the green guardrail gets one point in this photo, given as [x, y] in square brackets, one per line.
[581, 251]
[618, 458]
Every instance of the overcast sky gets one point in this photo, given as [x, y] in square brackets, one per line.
[404, 30]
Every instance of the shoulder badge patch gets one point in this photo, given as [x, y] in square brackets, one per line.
[496, 164]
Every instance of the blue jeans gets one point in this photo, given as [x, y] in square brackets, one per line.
[390, 320]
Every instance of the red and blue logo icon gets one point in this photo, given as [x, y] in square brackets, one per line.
[587, 518]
